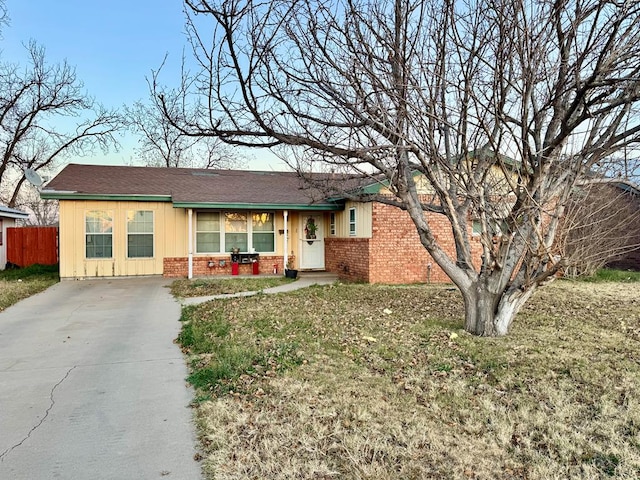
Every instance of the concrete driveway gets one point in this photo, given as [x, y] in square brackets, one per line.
[92, 387]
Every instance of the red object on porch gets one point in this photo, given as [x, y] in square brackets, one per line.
[235, 268]
[256, 268]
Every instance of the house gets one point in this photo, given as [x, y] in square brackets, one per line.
[8, 217]
[176, 222]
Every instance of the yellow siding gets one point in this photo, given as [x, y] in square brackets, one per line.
[495, 181]
[423, 187]
[363, 221]
[170, 239]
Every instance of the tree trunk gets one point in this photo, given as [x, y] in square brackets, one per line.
[490, 314]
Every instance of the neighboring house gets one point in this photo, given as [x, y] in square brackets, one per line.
[124, 221]
[8, 217]
[630, 260]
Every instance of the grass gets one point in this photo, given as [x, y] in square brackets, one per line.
[207, 286]
[17, 284]
[609, 275]
[380, 382]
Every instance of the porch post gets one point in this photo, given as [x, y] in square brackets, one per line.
[190, 236]
[285, 214]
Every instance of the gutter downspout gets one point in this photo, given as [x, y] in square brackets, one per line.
[285, 214]
[190, 275]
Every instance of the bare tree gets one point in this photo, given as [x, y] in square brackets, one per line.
[601, 224]
[41, 212]
[161, 144]
[45, 117]
[502, 106]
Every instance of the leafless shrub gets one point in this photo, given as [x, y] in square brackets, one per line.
[601, 224]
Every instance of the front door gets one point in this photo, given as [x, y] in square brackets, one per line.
[312, 241]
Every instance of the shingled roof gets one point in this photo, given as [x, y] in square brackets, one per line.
[185, 187]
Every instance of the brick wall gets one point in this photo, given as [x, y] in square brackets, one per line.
[396, 255]
[348, 258]
[177, 267]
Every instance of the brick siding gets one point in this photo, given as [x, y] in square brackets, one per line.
[394, 254]
[178, 267]
[348, 258]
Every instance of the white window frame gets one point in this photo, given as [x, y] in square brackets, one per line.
[108, 213]
[152, 233]
[332, 223]
[497, 230]
[249, 215]
[251, 232]
[353, 229]
[220, 231]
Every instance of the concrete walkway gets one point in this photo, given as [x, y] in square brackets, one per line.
[92, 385]
[304, 280]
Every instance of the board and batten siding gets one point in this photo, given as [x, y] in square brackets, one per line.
[169, 237]
[363, 221]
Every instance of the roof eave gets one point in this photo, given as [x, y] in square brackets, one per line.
[15, 216]
[60, 195]
[260, 206]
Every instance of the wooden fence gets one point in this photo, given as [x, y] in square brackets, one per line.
[32, 245]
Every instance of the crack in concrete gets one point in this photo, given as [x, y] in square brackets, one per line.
[52, 402]
[120, 362]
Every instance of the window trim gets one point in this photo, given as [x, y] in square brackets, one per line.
[153, 235]
[249, 232]
[110, 234]
[353, 227]
[476, 225]
[2, 232]
[220, 232]
[498, 230]
[332, 223]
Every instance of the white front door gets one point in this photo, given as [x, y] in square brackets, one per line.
[312, 241]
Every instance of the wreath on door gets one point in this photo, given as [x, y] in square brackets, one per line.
[310, 229]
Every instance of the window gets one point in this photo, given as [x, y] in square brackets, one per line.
[1, 232]
[208, 232]
[263, 235]
[497, 229]
[218, 232]
[476, 227]
[139, 234]
[332, 223]
[352, 221]
[99, 234]
[235, 228]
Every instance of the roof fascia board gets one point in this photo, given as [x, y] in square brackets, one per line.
[18, 216]
[51, 195]
[261, 206]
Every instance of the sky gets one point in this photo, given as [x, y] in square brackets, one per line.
[114, 45]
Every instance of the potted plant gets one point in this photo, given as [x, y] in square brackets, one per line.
[289, 271]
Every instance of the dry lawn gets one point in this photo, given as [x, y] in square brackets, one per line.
[380, 382]
[202, 287]
[16, 285]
